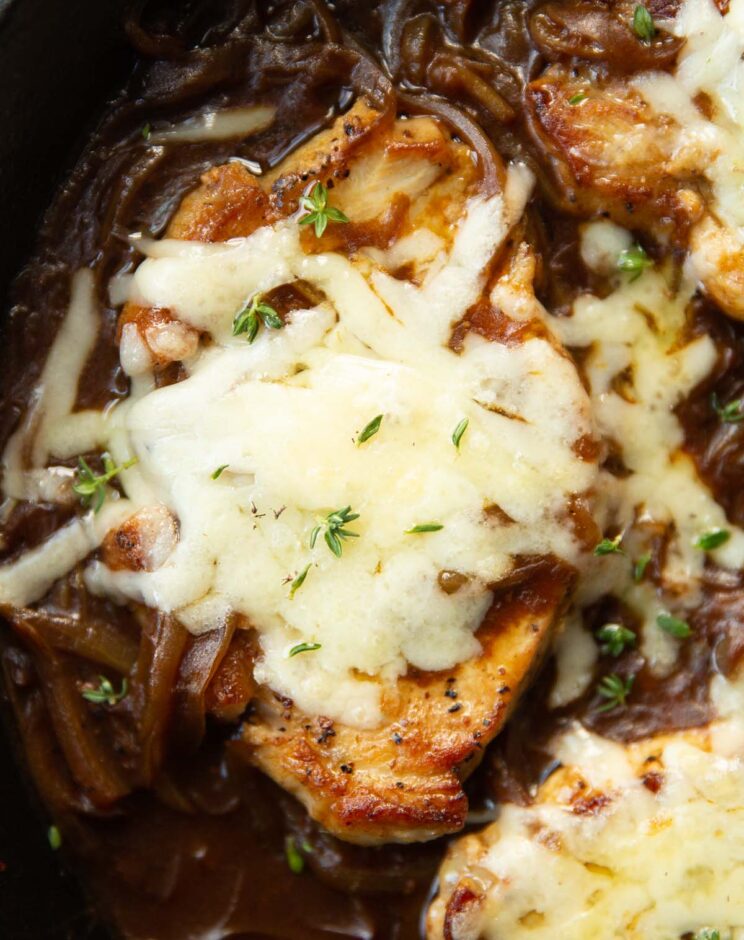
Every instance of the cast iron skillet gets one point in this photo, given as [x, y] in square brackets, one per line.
[59, 64]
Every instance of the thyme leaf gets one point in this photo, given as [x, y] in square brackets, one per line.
[459, 431]
[304, 648]
[633, 261]
[370, 429]
[91, 487]
[614, 638]
[294, 588]
[616, 690]
[318, 212]
[105, 694]
[255, 312]
[643, 23]
[674, 626]
[334, 530]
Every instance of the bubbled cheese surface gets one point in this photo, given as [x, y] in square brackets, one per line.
[638, 865]
[285, 413]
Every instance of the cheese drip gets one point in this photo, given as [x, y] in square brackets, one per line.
[285, 413]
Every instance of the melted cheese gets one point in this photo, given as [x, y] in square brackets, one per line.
[633, 865]
[709, 138]
[639, 365]
[284, 413]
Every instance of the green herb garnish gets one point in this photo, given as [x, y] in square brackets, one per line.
[370, 429]
[708, 933]
[319, 213]
[643, 23]
[674, 626]
[609, 546]
[333, 528]
[633, 261]
[249, 318]
[614, 638]
[219, 471]
[713, 539]
[459, 431]
[424, 527]
[92, 488]
[731, 413]
[616, 690]
[146, 131]
[295, 587]
[105, 694]
[639, 568]
[55, 838]
[294, 857]
[304, 648]
[577, 98]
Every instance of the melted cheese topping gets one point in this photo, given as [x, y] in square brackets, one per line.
[601, 855]
[639, 365]
[284, 414]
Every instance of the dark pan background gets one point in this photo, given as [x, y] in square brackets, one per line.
[60, 61]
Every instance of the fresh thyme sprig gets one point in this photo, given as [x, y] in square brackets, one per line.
[319, 213]
[333, 529]
[614, 638]
[731, 413]
[253, 313]
[91, 488]
[105, 694]
[633, 261]
[616, 690]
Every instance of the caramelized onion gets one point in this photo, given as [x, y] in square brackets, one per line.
[199, 665]
[451, 73]
[163, 644]
[493, 174]
[93, 639]
[588, 30]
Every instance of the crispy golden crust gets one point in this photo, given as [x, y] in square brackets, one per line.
[404, 781]
[612, 152]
